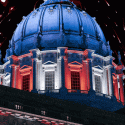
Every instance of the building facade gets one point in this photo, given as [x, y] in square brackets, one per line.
[59, 46]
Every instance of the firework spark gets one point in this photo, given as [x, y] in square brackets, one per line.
[117, 36]
[107, 3]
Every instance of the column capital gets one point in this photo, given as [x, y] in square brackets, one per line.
[34, 52]
[62, 50]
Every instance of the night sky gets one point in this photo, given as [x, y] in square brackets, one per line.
[109, 15]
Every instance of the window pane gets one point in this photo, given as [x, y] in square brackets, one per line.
[75, 80]
[26, 81]
[97, 84]
[49, 80]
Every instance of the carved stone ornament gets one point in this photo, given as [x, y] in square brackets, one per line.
[51, 10]
[69, 10]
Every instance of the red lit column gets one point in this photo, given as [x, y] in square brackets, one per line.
[88, 74]
[84, 86]
[121, 89]
[19, 80]
[82, 78]
[67, 74]
[13, 75]
[17, 76]
[115, 84]
[31, 81]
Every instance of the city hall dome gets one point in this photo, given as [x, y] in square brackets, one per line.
[58, 23]
[60, 51]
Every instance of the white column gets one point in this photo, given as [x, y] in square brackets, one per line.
[15, 77]
[0, 79]
[110, 84]
[59, 73]
[105, 87]
[3, 79]
[56, 84]
[93, 78]
[118, 85]
[43, 79]
[38, 74]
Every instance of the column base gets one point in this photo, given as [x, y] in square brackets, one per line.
[63, 90]
[34, 91]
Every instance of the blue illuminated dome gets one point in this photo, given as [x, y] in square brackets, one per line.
[58, 23]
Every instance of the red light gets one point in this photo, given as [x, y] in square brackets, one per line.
[11, 9]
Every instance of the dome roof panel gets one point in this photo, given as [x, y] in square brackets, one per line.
[101, 34]
[51, 19]
[18, 31]
[70, 19]
[38, 28]
[87, 24]
[33, 22]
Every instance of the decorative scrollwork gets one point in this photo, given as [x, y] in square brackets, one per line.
[69, 10]
[35, 13]
[51, 10]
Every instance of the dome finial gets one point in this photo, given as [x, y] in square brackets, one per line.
[54, 1]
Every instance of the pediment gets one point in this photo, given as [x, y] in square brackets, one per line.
[25, 66]
[98, 67]
[75, 63]
[48, 63]
[7, 74]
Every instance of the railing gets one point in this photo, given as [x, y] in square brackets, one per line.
[58, 91]
[99, 94]
[108, 96]
[77, 91]
[49, 91]
[103, 95]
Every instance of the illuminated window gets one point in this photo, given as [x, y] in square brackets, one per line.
[43, 112]
[18, 107]
[75, 80]
[97, 84]
[26, 81]
[49, 80]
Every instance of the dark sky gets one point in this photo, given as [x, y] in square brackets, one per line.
[109, 15]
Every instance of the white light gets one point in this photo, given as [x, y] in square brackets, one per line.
[3, 1]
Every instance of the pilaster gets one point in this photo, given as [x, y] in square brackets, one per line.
[89, 66]
[62, 52]
[34, 61]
